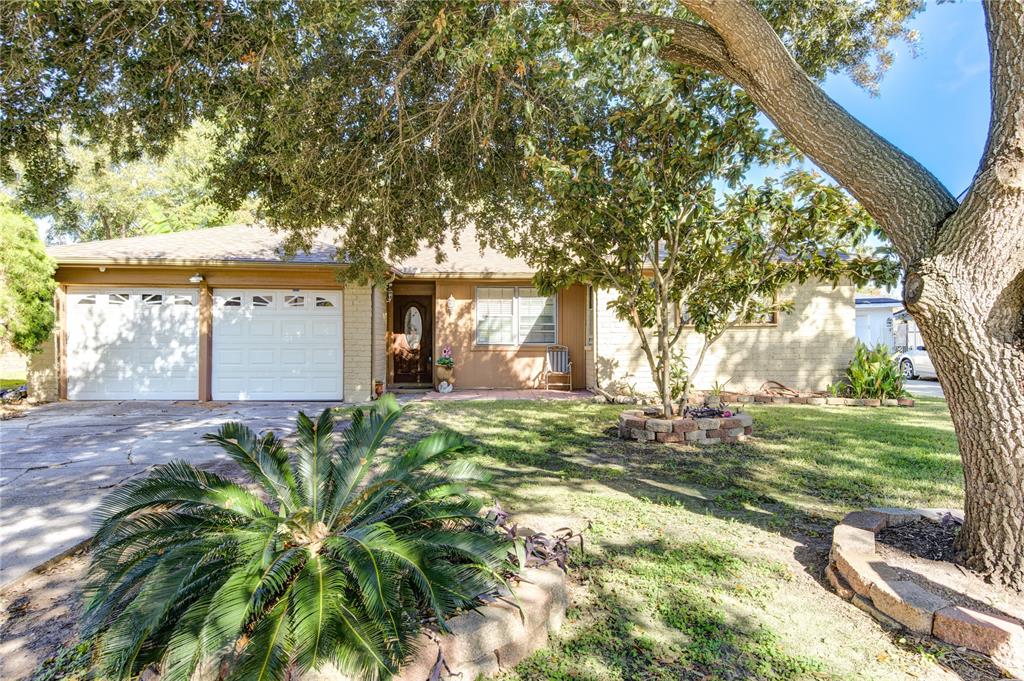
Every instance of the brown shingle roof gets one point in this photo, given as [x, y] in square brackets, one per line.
[240, 244]
[236, 243]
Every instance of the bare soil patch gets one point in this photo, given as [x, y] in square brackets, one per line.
[924, 539]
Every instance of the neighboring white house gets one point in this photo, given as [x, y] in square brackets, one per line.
[874, 320]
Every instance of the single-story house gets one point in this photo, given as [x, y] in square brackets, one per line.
[874, 319]
[224, 314]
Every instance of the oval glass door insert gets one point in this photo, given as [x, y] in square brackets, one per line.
[413, 328]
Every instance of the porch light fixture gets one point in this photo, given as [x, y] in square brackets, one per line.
[196, 278]
[451, 304]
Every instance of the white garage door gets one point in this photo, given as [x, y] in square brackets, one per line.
[132, 344]
[276, 344]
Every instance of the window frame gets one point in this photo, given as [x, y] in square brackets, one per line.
[516, 334]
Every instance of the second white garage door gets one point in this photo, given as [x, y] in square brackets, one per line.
[277, 344]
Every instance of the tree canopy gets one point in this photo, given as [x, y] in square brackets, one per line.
[640, 190]
[400, 121]
[107, 199]
[26, 283]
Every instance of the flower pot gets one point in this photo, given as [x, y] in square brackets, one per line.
[378, 389]
[444, 374]
[713, 401]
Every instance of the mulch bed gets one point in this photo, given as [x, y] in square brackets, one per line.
[924, 539]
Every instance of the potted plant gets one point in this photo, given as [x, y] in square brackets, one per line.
[445, 369]
[714, 397]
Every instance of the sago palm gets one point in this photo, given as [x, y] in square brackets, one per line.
[333, 557]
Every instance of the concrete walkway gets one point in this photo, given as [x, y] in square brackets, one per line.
[59, 460]
[460, 394]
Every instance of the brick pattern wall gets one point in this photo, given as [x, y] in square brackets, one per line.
[808, 348]
[357, 344]
[591, 369]
[12, 364]
[42, 373]
[379, 363]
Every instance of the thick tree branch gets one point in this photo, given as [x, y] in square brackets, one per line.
[908, 202]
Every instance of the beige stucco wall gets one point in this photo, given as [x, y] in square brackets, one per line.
[42, 373]
[357, 347]
[808, 348]
[503, 366]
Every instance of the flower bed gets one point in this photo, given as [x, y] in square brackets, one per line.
[636, 424]
[820, 399]
[815, 398]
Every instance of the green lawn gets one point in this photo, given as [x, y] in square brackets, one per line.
[6, 383]
[706, 563]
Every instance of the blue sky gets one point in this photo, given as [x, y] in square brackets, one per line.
[935, 106]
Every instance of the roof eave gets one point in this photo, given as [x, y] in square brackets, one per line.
[406, 274]
[182, 262]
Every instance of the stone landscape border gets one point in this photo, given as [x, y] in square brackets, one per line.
[816, 399]
[858, 574]
[635, 424]
[766, 398]
[489, 640]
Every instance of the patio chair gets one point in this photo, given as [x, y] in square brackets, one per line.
[558, 367]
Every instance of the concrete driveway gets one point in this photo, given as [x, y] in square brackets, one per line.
[59, 460]
[924, 387]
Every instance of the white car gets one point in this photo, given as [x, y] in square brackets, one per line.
[915, 363]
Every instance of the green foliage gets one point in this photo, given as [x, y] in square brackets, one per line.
[399, 120]
[343, 564]
[640, 192]
[26, 278]
[678, 375]
[874, 373]
[109, 199]
[445, 362]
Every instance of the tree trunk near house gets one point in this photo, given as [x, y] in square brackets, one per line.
[965, 262]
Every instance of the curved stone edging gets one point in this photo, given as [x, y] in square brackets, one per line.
[489, 640]
[635, 424]
[817, 399]
[858, 574]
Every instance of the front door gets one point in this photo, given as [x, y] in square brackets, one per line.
[412, 336]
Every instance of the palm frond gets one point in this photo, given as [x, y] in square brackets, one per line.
[314, 447]
[356, 454]
[266, 656]
[176, 485]
[261, 456]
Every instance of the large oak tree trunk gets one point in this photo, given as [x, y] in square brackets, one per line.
[965, 262]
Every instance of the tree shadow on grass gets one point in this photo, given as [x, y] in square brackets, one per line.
[653, 610]
[803, 469]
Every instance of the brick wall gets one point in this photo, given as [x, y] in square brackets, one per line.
[357, 345]
[379, 363]
[808, 348]
[12, 364]
[42, 373]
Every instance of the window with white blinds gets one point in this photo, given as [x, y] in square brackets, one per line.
[495, 316]
[510, 315]
[536, 316]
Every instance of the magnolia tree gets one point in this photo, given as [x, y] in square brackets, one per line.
[402, 121]
[635, 198]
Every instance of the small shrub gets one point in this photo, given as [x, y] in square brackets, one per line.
[874, 373]
[336, 557]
